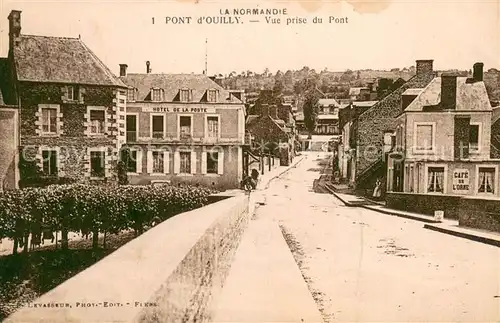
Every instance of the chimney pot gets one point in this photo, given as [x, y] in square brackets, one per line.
[148, 69]
[123, 69]
[478, 72]
[449, 90]
[424, 66]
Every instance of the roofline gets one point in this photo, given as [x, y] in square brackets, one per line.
[103, 66]
[44, 36]
[65, 82]
[386, 97]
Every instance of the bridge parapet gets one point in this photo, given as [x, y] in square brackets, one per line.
[170, 273]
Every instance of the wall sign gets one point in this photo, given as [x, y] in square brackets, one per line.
[460, 181]
[179, 109]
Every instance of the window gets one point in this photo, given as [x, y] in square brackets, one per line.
[185, 126]
[97, 160]
[212, 162]
[212, 96]
[424, 137]
[185, 162]
[70, 93]
[213, 126]
[131, 95]
[132, 127]
[474, 137]
[184, 95]
[49, 120]
[97, 121]
[49, 162]
[129, 158]
[435, 180]
[486, 180]
[157, 162]
[156, 96]
[157, 126]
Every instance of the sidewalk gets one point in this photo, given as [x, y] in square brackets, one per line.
[447, 226]
[264, 283]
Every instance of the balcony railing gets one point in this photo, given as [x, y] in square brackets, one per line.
[198, 138]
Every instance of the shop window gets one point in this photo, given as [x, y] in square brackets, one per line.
[435, 180]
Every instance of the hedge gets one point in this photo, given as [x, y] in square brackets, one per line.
[91, 208]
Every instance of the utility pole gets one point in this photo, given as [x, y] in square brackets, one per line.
[206, 57]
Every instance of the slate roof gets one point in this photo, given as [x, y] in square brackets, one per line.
[412, 92]
[60, 60]
[173, 83]
[363, 104]
[470, 96]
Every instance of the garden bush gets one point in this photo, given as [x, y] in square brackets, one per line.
[91, 209]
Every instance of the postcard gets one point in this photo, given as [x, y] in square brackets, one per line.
[250, 161]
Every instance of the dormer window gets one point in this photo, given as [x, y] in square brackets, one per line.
[131, 95]
[212, 95]
[184, 95]
[156, 95]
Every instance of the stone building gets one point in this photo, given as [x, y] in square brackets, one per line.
[272, 135]
[72, 109]
[183, 128]
[444, 136]
[375, 123]
[9, 136]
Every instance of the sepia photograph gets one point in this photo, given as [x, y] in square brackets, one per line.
[259, 161]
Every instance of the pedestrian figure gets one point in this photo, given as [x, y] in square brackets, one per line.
[377, 192]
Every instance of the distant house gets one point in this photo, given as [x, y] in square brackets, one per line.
[348, 125]
[183, 128]
[272, 135]
[72, 108]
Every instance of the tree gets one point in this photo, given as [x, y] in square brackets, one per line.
[278, 87]
[311, 109]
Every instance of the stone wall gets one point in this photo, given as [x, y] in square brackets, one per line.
[479, 213]
[424, 203]
[177, 267]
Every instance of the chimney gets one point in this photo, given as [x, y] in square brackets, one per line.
[148, 69]
[14, 27]
[424, 66]
[123, 69]
[449, 91]
[265, 110]
[477, 73]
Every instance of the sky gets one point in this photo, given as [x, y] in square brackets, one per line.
[456, 34]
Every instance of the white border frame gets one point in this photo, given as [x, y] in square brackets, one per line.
[476, 182]
[445, 178]
[156, 114]
[422, 151]
[179, 123]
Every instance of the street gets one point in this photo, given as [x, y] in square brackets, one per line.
[361, 265]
